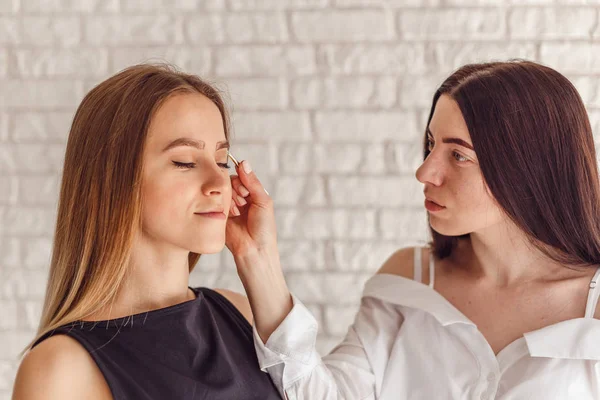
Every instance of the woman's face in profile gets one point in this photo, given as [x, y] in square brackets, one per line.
[186, 186]
[452, 176]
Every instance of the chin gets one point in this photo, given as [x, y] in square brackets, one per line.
[208, 248]
[446, 228]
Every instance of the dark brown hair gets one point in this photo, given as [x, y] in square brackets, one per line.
[534, 142]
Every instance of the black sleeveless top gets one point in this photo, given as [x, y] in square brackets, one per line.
[198, 349]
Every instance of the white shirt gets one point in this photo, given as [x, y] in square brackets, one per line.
[409, 342]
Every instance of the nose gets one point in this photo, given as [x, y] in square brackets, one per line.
[215, 181]
[431, 171]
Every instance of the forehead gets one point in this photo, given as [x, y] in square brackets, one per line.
[188, 114]
[447, 118]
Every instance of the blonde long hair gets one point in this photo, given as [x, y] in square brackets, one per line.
[99, 208]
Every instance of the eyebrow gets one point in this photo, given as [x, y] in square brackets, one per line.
[457, 141]
[198, 144]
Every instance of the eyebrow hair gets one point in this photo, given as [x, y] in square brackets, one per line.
[199, 144]
[457, 141]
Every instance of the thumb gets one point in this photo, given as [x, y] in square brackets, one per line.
[249, 179]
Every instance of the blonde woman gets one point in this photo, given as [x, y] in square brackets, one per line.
[145, 191]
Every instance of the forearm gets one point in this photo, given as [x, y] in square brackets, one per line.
[267, 291]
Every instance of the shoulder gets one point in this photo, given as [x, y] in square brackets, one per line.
[59, 368]
[239, 301]
[400, 263]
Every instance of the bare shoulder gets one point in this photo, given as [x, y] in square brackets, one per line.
[59, 368]
[239, 301]
[400, 263]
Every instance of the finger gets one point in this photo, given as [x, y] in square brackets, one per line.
[239, 200]
[238, 186]
[252, 183]
[233, 210]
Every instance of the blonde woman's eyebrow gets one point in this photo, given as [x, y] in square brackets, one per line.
[198, 144]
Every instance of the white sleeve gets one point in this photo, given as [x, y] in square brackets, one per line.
[298, 371]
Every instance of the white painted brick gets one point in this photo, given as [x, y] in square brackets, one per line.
[33, 313]
[410, 225]
[85, 6]
[10, 31]
[475, 3]
[263, 158]
[274, 126]
[325, 224]
[407, 157]
[338, 319]
[171, 5]
[9, 6]
[208, 262]
[330, 288]
[377, 59]
[256, 28]
[265, 60]
[595, 123]
[37, 253]
[42, 126]
[297, 190]
[345, 92]
[14, 342]
[188, 59]
[417, 91]
[365, 126]
[9, 312]
[387, 3]
[61, 63]
[301, 255]
[47, 31]
[10, 251]
[9, 189]
[31, 157]
[3, 62]
[257, 93]
[275, 4]
[375, 191]
[39, 94]
[571, 57]
[133, 30]
[341, 26]
[4, 131]
[23, 284]
[205, 29]
[589, 89]
[455, 55]
[28, 221]
[8, 373]
[362, 256]
[552, 23]
[453, 24]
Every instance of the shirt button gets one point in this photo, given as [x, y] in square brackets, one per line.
[491, 377]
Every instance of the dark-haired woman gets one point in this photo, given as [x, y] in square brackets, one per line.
[503, 304]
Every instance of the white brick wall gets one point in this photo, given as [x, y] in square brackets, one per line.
[329, 97]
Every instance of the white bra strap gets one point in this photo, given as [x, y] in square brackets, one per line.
[593, 295]
[418, 269]
[431, 270]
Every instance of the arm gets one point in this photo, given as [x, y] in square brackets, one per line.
[59, 368]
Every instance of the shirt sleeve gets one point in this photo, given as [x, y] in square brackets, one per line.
[298, 371]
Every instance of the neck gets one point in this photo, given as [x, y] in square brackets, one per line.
[157, 277]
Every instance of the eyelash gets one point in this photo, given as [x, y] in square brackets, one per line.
[454, 153]
[192, 165]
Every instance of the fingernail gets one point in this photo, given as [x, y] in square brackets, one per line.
[266, 192]
[241, 200]
[243, 191]
[236, 212]
[247, 167]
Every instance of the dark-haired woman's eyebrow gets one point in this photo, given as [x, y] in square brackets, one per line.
[457, 141]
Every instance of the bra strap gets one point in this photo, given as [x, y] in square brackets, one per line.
[418, 273]
[593, 295]
[431, 270]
